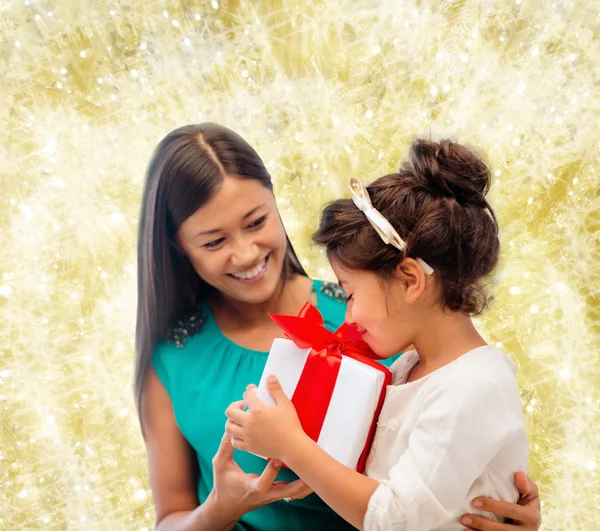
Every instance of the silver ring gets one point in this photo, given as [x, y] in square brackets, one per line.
[287, 499]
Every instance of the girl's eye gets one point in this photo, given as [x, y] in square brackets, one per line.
[349, 298]
[214, 244]
[258, 222]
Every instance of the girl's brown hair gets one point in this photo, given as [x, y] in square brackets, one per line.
[437, 204]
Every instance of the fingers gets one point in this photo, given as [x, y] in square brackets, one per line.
[251, 398]
[483, 524]
[508, 510]
[526, 487]
[235, 430]
[275, 390]
[235, 412]
[296, 490]
[236, 418]
[239, 444]
[303, 490]
[225, 451]
[266, 479]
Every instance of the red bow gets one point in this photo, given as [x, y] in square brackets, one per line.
[306, 330]
[317, 381]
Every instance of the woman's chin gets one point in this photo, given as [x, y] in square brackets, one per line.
[254, 292]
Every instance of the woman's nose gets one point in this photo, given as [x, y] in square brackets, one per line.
[245, 254]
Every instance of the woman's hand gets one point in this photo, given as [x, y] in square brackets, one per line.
[236, 493]
[173, 471]
[525, 514]
[263, 429]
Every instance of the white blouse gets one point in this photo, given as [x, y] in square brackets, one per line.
[451, 436]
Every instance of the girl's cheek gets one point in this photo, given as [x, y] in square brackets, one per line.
[359, 319]
[360, 310]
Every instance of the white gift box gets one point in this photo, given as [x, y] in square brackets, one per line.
[345, 430]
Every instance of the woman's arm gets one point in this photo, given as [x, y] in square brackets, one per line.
[172, 469]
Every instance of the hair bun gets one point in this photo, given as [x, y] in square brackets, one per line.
[451, 170]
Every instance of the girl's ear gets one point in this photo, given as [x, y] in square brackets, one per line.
[411, 274]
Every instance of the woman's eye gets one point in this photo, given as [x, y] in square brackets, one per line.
[349, 298]
[258, 222]
[213, 244]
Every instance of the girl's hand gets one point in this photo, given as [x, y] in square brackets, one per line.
[236, 493]
[525, 514]
[262, 429]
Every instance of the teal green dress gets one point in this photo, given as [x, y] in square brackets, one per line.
[203, 372]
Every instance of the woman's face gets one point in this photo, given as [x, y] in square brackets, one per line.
[236, 242]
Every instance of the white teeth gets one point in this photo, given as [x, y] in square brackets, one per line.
[251, 273]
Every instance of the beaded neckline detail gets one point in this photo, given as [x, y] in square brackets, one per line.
[188, 326]
[335, 291]
[183, 329]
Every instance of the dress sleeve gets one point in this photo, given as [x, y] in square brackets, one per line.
[462, 423]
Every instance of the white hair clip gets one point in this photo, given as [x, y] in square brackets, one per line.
[384, 228]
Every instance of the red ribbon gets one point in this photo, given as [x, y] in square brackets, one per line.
[317, 381]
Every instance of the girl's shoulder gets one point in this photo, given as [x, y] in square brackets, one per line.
[482, 376]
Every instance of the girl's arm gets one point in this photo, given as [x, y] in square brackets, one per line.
[276, 432]
[346, 491]
[428, 485]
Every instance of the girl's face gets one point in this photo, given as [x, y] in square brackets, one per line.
[236, 242]
[380, 310]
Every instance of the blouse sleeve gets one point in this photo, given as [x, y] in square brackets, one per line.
[461, 425]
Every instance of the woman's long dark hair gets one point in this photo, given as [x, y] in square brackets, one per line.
[185, 172]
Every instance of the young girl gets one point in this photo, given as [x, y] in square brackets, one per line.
[412, 253]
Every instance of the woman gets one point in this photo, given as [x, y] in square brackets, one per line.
[213, 259]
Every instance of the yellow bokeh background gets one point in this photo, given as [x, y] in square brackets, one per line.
[322, 90]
